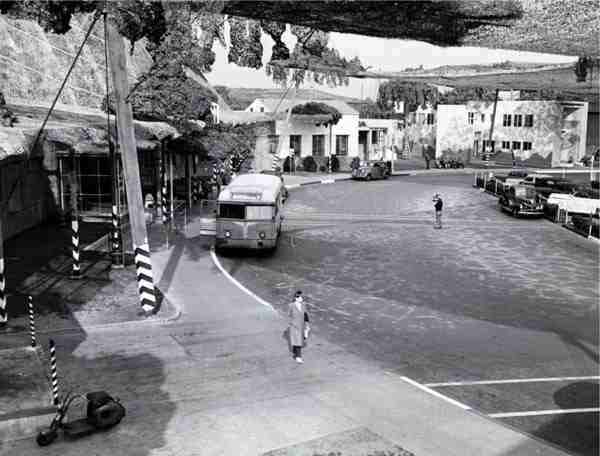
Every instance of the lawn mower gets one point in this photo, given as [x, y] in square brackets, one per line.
[103, 412]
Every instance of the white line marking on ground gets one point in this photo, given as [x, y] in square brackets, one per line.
[544, 412]
[514, 380]
[435, 393]
[236, 283]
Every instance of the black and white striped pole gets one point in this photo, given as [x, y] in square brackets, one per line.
[3, 312]
[54, 375]
[117, 258]
[143, 267]
[31, 321]
[274, 162]
[76, 271]
[163, 194]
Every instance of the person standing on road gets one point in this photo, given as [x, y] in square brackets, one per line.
[437, 199]
[298, 325]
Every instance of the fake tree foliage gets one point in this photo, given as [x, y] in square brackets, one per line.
[312, 108]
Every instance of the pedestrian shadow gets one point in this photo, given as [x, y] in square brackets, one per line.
[576, 432]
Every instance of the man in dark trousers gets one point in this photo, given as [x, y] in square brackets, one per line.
[438, 204]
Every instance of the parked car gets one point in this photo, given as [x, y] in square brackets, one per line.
[545, 184]
[586, 224]
[371, 170]
[521, 200]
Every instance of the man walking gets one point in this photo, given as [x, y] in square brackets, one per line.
[298, 325]
[438, 204]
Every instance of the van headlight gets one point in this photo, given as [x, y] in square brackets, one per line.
[261, 235]
[227, 234]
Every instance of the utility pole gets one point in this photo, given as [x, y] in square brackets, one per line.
[494, 120]
[131, 170]
[3, 311]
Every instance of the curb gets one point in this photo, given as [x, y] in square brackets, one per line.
[22, 427]
[316, 182]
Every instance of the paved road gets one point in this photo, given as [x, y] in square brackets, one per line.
[487, 298]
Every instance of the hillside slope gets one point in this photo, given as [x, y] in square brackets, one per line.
[33, 63]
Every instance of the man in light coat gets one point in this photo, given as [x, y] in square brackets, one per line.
[298, 325]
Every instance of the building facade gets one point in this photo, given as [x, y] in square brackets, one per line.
[306, 135]
[537, 132]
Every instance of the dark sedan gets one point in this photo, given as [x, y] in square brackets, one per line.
[521, 200]
[371, 170]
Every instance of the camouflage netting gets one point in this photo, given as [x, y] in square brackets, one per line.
[551, 26]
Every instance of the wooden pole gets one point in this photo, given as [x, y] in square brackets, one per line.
[494, 120]
[131, 170]
[3, 311]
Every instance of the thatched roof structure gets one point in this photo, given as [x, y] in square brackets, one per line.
[567, 27]
[77, 129]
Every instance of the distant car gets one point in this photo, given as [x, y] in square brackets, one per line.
[521, 200]
[285, 192]
[371, 170]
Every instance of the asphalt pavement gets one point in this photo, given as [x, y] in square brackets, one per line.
[511, 302]
[221, 381]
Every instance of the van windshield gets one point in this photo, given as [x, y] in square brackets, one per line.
[259, 212]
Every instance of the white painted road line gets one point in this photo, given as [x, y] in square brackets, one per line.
[544, 412]
[514, 380]
[235, 282]
[435, 393]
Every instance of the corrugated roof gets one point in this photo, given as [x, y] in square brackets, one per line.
[272, 103]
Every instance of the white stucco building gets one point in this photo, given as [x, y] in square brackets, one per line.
[304, 135]
[542, 131]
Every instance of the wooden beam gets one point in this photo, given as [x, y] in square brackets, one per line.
[131, 170]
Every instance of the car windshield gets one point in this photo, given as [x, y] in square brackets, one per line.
[525, 192]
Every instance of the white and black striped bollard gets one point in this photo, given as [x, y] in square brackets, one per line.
[117, 259]
[3, 311]
[54, 375]
[31, 321]
[143, 269]
[76, 271]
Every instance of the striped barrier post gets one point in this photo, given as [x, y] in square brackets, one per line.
[31, 321]
[76, 271]
[54, 375]
[163, 196]
[195, 192]
[3, 312]
[214, 173]
[146, 289]
[117, 259]
[274, 163]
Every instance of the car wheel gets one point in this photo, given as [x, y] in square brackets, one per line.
[515, 211]
[368, 177]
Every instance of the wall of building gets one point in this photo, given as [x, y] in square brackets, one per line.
[348, 125]
[26, 194]
[593, 133]
[454, 133]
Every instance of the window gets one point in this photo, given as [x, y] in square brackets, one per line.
[518, 120]
[296, 144]
[430, 119]
[526, 145]
[506, 145]
[470, 118]
[529, 120]
[262, 109]
[506, 120]
[516, 145]
[251, 109]
[421, 118]
[318, 145]
[259, 212]
[488, 146]
[374, 137]
[341, 145]
[482, 118]
[235, 211]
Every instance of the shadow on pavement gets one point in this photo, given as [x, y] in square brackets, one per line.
[577, 432]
